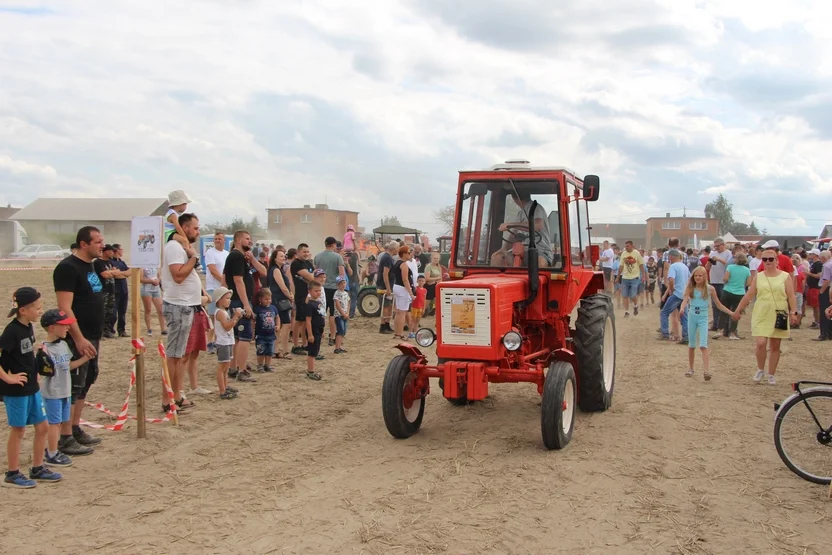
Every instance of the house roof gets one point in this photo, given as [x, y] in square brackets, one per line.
[91, 209]
[6, 212]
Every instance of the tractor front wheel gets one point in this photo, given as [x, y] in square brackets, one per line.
[369, 302]
[402, 401]
[557, 412]
[594, 343]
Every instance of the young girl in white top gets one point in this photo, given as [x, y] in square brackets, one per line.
[224, 339]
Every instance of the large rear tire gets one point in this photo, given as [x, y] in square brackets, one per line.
[557, 411]
[595, 348]
[369, 302]
[402, 404]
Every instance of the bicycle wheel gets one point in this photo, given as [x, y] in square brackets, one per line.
[804, 446]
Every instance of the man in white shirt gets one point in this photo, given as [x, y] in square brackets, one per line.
[181, 295]
[720, 259]
[214, 278]
[607, 258]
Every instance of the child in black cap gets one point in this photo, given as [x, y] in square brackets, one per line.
[20, 391]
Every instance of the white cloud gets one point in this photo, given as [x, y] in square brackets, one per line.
[374, 106]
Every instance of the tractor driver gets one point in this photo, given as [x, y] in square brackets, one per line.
[542, 234]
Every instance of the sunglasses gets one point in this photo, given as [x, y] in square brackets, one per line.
[768, 259]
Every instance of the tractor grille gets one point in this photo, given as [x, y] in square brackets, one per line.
[466, 316]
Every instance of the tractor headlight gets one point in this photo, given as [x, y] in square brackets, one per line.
[512, 341]
[425, 337]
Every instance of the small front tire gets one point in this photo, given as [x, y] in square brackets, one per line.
[402, 402]
[557, 411]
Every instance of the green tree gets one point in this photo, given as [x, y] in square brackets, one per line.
[390, 220]
[445, 216]
[253, 226]
[721, 210]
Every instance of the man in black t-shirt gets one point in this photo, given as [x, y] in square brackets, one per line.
[813, 285]
[240, 267]
[301, 270]
[384, 281]
[121, 298]
[80, 295]
[106, 274]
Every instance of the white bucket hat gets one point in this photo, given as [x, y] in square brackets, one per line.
[219, 293]
[175, 198]
[771, 244]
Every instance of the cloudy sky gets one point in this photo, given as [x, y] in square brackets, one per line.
[374, 105]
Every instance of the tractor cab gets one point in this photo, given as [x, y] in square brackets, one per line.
[521, 262]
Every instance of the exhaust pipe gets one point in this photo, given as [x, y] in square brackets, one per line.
[534, 280]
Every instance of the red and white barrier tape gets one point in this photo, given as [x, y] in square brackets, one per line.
[122, 417]
[26, 268]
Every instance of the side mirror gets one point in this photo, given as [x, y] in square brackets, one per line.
[592, 187]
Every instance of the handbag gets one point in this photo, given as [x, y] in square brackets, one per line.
[283, 305]
[781, 317]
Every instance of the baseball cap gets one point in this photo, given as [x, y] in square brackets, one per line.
[219, 293]
[340, 279]
[319, 272]
[815, 252]
[55, 316]
[24, 296]
[175, 198]
[771, 244]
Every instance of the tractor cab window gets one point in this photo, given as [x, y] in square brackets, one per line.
[495, 227]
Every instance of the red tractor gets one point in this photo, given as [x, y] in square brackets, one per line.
[517, 272]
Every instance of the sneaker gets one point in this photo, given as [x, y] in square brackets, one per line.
[212, 348]
[759, 375]
[297, 351]
[268, 369]
[150, 333]
[734, 337]
[339, 351]
[123, 334]
[84, 438]
[626, 314]
[228, 395]
[411, 335]
[635, 310]
[109, 335]
[320, 357]
[18, 480]
[814, 326]
[232, 373]
[43, 474]
[72, 447]
[717, 336]
[164, 332]
[259, 368]
[771, 380]
[232, 389]
[199, 391]
[58, 460]
[245, 376]
[331, 341]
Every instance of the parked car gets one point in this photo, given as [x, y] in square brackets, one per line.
[33, 252]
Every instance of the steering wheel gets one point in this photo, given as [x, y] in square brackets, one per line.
[518, 237]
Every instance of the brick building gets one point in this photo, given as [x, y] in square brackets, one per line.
[309, 224]
[659, 230]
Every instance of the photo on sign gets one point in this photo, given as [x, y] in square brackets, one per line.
[147, 238]
[463, 316]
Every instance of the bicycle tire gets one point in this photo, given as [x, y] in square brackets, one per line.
[790, 403]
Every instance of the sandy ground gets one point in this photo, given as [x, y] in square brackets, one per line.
[293, 466]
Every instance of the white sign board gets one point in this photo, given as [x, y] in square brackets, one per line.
[146, 242]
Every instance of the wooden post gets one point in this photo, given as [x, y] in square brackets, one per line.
[135, 299]
[167, 378]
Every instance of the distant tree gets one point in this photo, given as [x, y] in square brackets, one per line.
[445, 216]
[739, 228]
[237, 223]
[722, 210]
[390, 220]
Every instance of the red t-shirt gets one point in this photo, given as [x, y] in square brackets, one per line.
[419, 301]
[801, 280]
[784, 264]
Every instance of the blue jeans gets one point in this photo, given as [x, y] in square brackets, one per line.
[673, 303]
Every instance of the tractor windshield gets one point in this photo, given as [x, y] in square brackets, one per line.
[494, 227]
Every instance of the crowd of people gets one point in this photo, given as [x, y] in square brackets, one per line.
[703, 292]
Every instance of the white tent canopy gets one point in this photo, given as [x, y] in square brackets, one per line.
[729, 238]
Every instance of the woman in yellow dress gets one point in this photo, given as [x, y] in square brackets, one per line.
[774, 292]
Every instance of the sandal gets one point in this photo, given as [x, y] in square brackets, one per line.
[185, 404]
[689, 374]
[285, 356]
[313, 376]
[707, 376]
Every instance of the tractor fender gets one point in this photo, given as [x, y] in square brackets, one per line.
[567, 356]
[411, 350]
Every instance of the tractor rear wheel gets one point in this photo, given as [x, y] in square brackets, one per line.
[594, 343]
[402, 402]
[459, 401]
[557, 411]
[369, 302]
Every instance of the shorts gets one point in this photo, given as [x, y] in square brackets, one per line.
[264, 347]
[629, 287]
[225, 353]
[401, 297]
[314, 347]
[416, 312]
[25, 411]
[698, 323]
[179, 319]
[651, 287]
[197, 340]
[607, 274]
[813, 297]
[152, 291]
[798, 297]
[340, 326]
[57, 410]
[85, 375]
[300, 310]
[330, 300]
[244, 330]
[211, 308]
